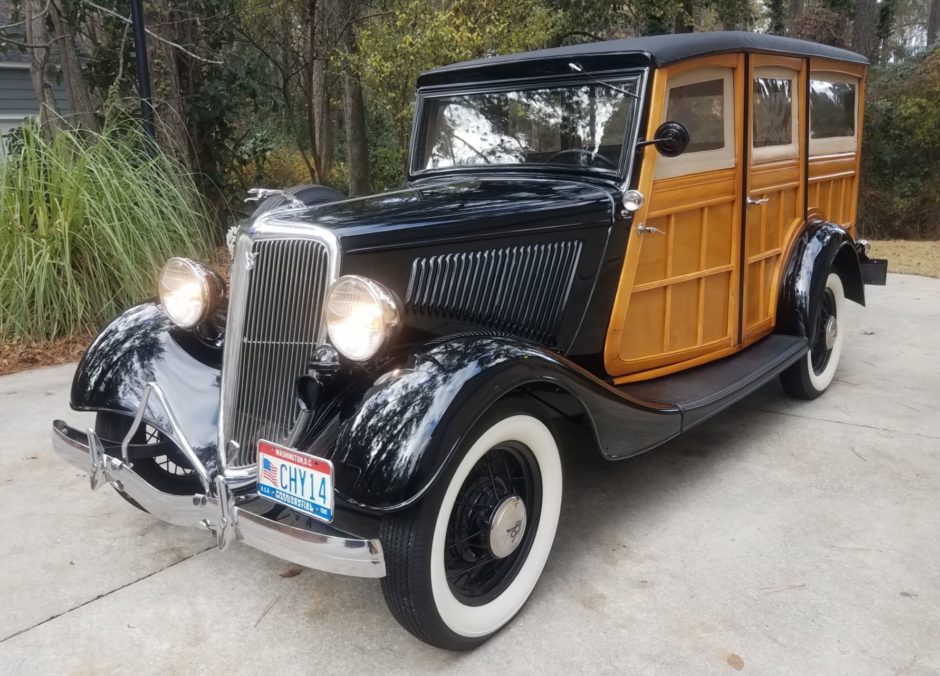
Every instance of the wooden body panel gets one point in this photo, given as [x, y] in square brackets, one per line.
[834, 178]
[679, 286]
[708, 286]
[770, 227]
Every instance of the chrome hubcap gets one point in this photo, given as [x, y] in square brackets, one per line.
[832, 331]
[507, 527]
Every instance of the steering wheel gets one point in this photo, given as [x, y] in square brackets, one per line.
[581, 152]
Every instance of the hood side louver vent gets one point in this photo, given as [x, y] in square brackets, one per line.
[518, 290]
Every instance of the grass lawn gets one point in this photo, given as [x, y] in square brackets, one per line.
[916, 258]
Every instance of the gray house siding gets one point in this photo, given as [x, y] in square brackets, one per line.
[17, 99]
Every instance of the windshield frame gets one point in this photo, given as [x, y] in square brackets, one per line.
[617, 77]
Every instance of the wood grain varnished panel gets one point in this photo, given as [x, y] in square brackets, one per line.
[834, 179]
[770, 227]
[678, 304]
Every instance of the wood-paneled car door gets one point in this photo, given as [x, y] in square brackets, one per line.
[774, 210]
[677, 304]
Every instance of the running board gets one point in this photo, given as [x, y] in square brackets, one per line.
[701, 392]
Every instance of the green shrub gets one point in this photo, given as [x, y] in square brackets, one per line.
[900, 190]
[85, 225]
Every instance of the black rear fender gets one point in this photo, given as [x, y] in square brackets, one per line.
[822, 247]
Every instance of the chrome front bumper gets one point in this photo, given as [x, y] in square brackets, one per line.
[217, 512]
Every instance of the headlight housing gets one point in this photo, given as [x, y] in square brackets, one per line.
[361, 316]
[189, 292]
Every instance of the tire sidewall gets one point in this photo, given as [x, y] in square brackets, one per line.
[821, 381]
[484, 620]
[413, 544]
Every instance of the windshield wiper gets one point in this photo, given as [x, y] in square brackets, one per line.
[578, 68]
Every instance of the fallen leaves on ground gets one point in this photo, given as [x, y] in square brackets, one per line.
[22, 355]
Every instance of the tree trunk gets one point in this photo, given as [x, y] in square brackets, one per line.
[357, 143]
[933, 22]
[685, 18]
[865, 28]
[36, 35]
[312, 109]
[796, 10]
[172, 131]
[778, 17]
[76, 88]
[320, 89]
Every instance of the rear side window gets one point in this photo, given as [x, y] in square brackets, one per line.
[774, 119]
[833, 111]
[702, 100]
[773, 112]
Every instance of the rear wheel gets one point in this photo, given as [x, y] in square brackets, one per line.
[169, 472]
[812, 375]
[463, 562]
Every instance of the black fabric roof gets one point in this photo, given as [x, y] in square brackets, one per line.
[661, 50]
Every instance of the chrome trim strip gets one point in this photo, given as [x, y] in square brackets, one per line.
[357, 557]
[267, 226]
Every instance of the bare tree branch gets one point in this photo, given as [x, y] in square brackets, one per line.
[152, 34]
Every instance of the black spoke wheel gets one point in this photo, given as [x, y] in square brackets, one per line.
[476, 573]
[169, 472]
[463, 561]
[822, 348]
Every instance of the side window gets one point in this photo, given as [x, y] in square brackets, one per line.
[774, 118]
[703, 101]
[833, 111]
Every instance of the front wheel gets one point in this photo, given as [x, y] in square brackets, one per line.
[462, 563]
[812, 375]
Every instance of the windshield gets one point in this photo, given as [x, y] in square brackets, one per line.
[582, 124]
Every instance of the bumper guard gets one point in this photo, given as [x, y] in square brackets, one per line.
[216, 511]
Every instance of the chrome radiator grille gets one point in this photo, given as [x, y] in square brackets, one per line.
[277, 290]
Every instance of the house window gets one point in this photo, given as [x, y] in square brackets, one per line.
[703, 101]
[774, 119]
[833, 110]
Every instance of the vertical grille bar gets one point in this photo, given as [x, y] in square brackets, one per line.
[278, 287]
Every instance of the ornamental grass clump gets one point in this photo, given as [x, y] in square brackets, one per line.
[86, 222]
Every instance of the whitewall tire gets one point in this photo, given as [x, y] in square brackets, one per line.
[464, 561]
[813, 374]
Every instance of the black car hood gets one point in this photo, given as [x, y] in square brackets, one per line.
[458, 209]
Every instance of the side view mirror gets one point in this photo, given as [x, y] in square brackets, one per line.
[671, 139]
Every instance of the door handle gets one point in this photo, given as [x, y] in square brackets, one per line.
[643, 228]
[755, 202]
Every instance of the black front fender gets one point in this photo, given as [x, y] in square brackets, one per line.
[822, 247]
[395, 439]
[142, 346]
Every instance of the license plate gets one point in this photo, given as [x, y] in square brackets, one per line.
[297, 480]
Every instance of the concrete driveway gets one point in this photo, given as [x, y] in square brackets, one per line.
[781, 537]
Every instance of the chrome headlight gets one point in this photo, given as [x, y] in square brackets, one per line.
[361, 316]
[189, 292]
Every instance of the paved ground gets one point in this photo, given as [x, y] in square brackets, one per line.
[782, 537]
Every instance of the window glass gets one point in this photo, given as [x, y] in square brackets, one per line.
[701, 108]
[583, 125]
[773, 112]
[831, 109]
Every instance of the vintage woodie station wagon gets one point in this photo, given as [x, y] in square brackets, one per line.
[600, 246]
